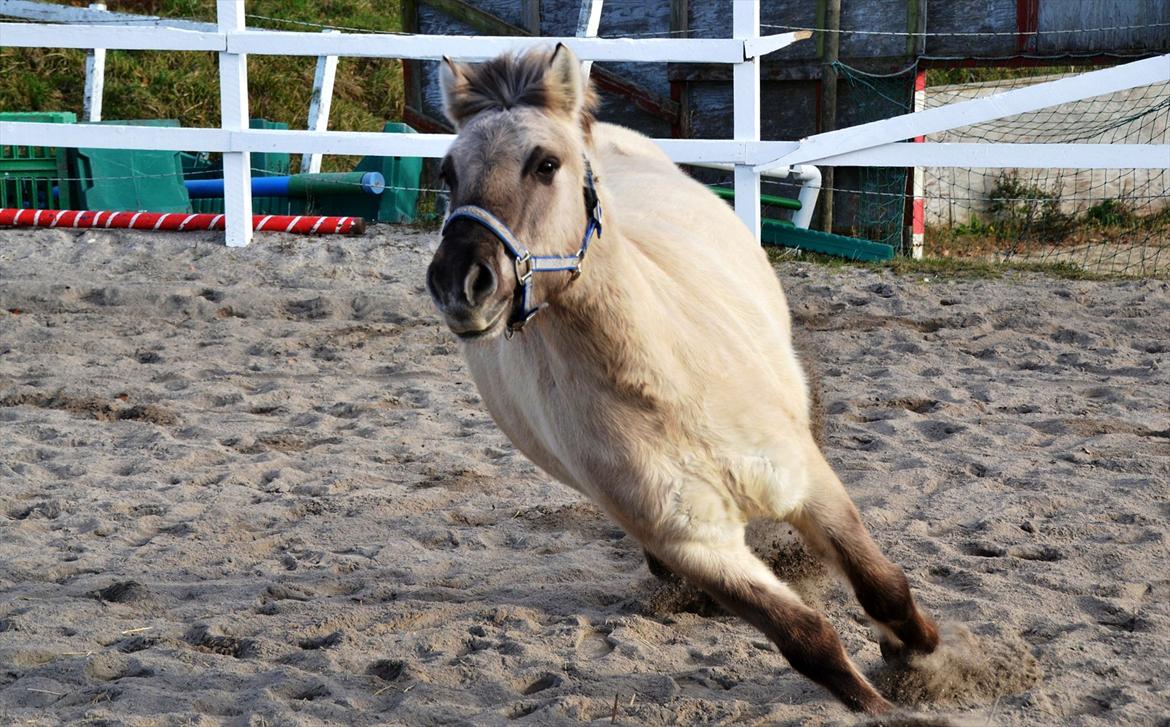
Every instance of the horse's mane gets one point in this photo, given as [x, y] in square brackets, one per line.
[512, 80]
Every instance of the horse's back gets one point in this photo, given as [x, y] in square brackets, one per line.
[714, 283]
[672, 218]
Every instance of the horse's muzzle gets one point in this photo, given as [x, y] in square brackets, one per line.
[464, 289]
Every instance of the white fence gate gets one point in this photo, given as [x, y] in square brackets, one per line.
[881, 143]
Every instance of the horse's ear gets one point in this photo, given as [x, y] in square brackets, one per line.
[454, 84]
[565, 83]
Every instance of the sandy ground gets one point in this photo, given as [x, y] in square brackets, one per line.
[256, 487]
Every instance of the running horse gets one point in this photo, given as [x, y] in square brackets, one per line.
[628, 334]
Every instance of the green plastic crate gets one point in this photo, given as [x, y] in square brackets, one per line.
[129, 179]
[29, 174]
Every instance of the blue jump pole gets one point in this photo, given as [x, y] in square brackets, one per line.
[299, 185]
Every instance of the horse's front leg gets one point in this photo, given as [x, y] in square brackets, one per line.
[731, 574]
[831, 525]
[658, 569]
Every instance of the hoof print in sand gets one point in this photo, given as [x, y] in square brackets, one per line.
[966, 670]
[202, 638]
[322, 642]
[548, 681]
[388, 670]
[124, 592]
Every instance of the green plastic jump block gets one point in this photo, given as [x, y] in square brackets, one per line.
[850, 248]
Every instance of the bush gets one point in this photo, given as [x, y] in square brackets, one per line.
[1027, 212]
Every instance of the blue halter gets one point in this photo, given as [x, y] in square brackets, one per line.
[527, 264]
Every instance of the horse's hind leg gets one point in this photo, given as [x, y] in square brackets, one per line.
[830, 523]
[742, 584]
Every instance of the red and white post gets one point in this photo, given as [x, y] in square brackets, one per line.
[918, 216]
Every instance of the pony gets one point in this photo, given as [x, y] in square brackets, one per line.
[627, 333]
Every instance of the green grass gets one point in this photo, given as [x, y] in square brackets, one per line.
[946, 268]
[185, 85]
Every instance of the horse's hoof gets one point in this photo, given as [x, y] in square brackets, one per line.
[894, 653]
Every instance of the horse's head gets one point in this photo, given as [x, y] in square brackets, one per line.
[516, 174]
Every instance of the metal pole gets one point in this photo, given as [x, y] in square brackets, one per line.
[745, 25]
[233, 104]
[832, 46]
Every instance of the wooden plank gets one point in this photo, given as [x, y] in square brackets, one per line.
[587, 24]
[56, 13]
[319, 105]
[329, 142]
[679, 18]
[746, 118]
[530, 10]
[1003, 105]
[679, 25]
[468, 48]
[781, 70]
[95, 78]
[481, 20]
[1027, 23]
[411, 73]
[421, 121]
[1005, 156]
[116, 37]
[851, 248]
[235, 116]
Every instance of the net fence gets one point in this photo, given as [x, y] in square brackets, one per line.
[1113, 221]
[1104, 221]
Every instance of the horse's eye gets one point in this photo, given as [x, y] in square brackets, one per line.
[547, 169]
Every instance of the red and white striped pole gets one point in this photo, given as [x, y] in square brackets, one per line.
[918, 216]
[178, 221]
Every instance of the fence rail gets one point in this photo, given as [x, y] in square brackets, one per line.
[876, 144]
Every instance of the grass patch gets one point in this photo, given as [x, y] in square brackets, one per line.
[943, 268]
[185, 85]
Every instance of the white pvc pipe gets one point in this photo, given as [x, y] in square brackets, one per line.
[810, 186]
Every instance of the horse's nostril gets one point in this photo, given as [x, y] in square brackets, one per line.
[479, 283]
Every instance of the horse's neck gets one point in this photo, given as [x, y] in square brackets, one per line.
[605, 322]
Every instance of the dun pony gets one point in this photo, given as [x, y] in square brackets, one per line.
[627, 333]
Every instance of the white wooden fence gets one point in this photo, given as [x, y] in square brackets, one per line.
[876, 144]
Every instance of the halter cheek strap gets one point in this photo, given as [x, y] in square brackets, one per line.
[527, 264]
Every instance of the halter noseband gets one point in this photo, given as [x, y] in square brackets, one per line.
[527, 264]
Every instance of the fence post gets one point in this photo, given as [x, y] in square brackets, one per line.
[918, 213]
[95, 78]
[588, 21]
[319, 106]
[233, 104]
[746, 88]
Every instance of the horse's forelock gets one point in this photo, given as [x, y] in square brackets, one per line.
[509, 81]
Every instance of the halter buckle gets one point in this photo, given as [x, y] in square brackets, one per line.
[523, 276]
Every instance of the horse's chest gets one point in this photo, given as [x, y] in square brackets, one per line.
[536, 409]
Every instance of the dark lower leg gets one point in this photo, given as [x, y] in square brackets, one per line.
[743, 585]
[805, 638]
[880, 586]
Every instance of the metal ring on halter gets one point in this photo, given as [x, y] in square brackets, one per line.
[522, 277]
